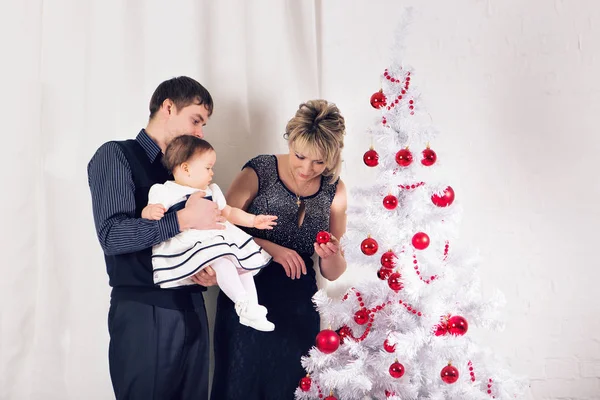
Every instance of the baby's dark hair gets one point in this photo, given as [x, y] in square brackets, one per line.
[182, 149]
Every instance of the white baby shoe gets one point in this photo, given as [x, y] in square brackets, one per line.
[253, 315]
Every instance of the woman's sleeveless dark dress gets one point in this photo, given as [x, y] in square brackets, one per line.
[253, 365]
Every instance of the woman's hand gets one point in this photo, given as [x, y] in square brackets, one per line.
[329, 249]
[291, 261]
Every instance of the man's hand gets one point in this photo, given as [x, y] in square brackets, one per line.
[200, 213]
[207, 277]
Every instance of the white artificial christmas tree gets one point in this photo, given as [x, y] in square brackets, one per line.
[404, 330]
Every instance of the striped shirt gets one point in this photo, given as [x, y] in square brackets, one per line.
[113, 201]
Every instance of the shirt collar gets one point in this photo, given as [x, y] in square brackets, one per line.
[150, 147]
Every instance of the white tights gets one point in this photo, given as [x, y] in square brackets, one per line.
[236, 283]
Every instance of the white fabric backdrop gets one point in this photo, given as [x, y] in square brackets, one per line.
[513, 87]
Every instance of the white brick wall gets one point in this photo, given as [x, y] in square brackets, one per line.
[514, 87]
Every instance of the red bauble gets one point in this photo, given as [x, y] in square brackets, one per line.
[396, 370]
[378, 99]
[344, 332]
[429, 157]
[327, 341]
[305, 383]
[389, 347]
[404, 157]
[390, 202]
[331, 398]
[369, 246]
[323, 237]
[388, 259]
[441, 329]
[449, 374]
[371, 158]
[389, 394]
[457, 325]
[445, 199]
[394, 282]
[361, 317]
[420, 240]
[384, 273]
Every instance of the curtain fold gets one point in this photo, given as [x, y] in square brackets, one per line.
[84, 72]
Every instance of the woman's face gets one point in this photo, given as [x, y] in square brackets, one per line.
[306, 163]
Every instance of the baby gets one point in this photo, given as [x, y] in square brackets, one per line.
[232, 253]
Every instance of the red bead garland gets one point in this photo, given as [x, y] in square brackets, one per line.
[490, 381]
[416, 267]
[397, 100]
[471, 372]
[489, 391]
[413, 186]
[446, 249]
[345, 332]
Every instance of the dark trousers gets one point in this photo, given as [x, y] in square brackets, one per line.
[157, 353]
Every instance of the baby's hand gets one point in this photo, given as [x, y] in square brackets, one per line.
[265, 221]
[153, 212]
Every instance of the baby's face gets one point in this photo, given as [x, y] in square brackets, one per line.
[197, 172]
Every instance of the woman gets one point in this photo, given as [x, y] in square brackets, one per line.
[304, 190]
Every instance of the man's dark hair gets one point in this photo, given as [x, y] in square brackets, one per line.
[183, 91]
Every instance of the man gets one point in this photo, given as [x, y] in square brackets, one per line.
[158, 337]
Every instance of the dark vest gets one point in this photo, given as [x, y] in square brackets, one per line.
[130, 274]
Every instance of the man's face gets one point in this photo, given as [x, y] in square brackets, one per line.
[189, 120]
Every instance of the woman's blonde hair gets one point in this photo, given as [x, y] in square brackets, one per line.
[318, 125]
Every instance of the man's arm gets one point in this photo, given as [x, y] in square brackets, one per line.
[113, 203]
